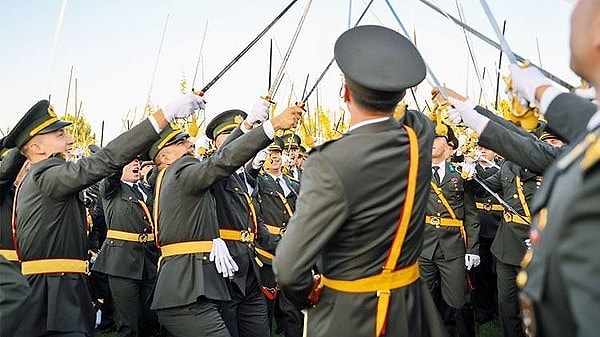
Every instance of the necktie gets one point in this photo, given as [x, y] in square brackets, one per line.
[279, 188]
[138, 193]
[436, 175]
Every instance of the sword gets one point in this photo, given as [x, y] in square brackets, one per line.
[504, 45]
[305, 99]
[431, 74]
[246, 49]
[500, 200]
[286, 57]
[496, 45]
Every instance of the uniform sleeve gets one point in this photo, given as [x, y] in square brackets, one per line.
[202, 175]
[321, 210]
[568, 115]
[471, 221]
[525, 151]
[9, 169]
[13, 297]
[61, 181]
[578, 256]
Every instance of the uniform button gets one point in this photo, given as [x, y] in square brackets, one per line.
[439, 201]
[236, 189]
[438, 214]
[204, 258]
[437, 226]
[521, 279]
[515, 196]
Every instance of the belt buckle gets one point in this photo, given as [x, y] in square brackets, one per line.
[143, 238]
[435, 220]
[507, 217]
[282, 231]
[527, 315]
[245, 236]
[487, 206]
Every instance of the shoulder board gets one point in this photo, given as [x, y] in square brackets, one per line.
[322, 146]
[592, 155]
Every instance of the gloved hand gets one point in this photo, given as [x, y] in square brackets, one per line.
[183, 106]
[223, 260]
[468, 168]
[471, 261]
[526, 80]
[259, 159]
[287, 160]
[469, 116]
[259, 112]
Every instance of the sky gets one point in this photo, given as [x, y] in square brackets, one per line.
[113, 47]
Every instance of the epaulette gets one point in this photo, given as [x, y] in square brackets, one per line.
[592, 155]
[319, 148]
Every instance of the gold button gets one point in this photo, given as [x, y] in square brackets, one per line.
[515, 196]
[204, 257]
[521, 279]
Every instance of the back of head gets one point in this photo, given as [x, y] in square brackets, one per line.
[379, 65]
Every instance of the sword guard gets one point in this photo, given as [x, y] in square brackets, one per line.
[198, 92]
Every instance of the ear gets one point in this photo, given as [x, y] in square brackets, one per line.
[346, 94]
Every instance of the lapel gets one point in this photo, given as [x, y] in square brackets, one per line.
[448, 175]
[127, 192]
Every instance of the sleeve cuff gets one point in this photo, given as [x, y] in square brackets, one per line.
[268, 129]
[154, 124]
[547, 97]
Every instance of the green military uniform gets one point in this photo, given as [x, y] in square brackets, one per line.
[354, 202]
[13, 297]
[51, 224]
[517, 184]
[275, 209]
[451, 230]
[246, 313]
[559, 281]
[128, 255]
[489, 211]
[189, 289]
[9, 169]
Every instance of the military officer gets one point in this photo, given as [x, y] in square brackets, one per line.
[363, 219]
[451, 236]
[189, 289]
[50, 219]
[559, 293]
[537, 156]
[277, 194]
[290, 146]
[489, 211]
[128, 255]
[240, 227]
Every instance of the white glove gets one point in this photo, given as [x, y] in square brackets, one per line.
[528, 243]
[472, 261]
[469, 116]
[183, 106]
[259, 159]
[468, 168]
[526, 80]
[589, 93]
[223, 260]
[259, 112]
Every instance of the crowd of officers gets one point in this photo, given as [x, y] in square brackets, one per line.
[147, 238]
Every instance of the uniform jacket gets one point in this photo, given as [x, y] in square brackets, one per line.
[187, 212]
[346, 217]
[51, 223]
[9, 169]
[123, 212]
[489, 219]
[459, 197]
[233, 212]
[560, 274]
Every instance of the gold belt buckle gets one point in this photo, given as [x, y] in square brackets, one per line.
[435, 220]
[507, 217]
[487, 206]
[143, 238]
[245, 236]
[527, 315]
